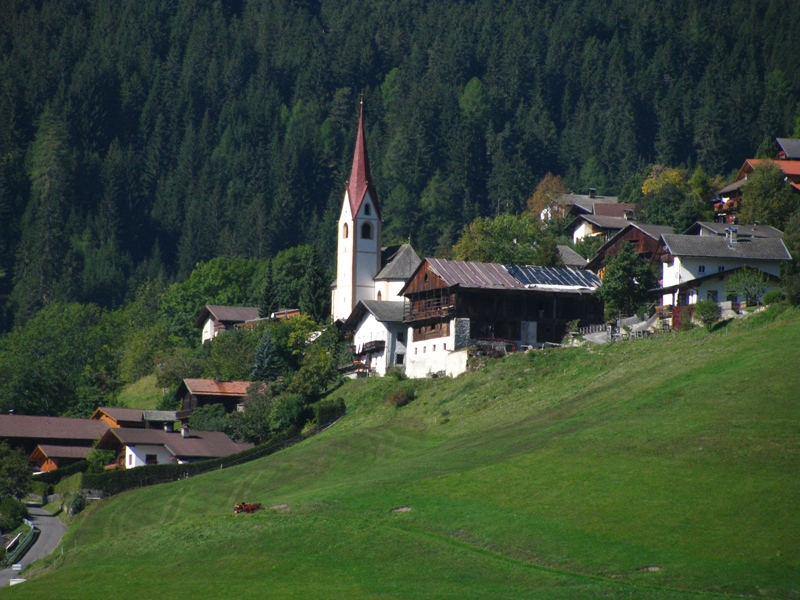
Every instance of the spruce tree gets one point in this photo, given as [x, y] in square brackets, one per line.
[315, 291]
[266, 302]
[268, 363]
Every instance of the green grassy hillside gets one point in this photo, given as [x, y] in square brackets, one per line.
[662, 468]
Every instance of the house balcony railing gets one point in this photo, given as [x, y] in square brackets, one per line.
[372, 347]
[427, 309]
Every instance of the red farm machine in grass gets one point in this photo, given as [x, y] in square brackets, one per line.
[245, 507]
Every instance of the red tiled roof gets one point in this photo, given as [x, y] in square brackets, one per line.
[790, 168]
[217, 388]
[57, 428]
[360, 180]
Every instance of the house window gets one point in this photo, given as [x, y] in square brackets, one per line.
[400, 359]
[721, 269]
[367, 209]
[130, 460]
[366, 231]
[379, 295]
[701, 269]
[711, 295]
[424, 348]
[415, 350]
[400, 336]
[444, 346]
[150, 459]
[434, 348]
[345, 231]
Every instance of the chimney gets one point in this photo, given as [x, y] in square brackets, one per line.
[734, 235]
[628, 214]
[592, 192]
[185, 431]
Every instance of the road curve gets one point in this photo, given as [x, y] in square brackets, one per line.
[52, 530]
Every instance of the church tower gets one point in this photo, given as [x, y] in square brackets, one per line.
[358, 257]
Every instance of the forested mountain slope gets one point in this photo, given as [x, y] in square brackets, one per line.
[139, 137]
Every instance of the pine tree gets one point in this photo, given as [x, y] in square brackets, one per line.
[315, 292]
[268, 364]
[266, 302]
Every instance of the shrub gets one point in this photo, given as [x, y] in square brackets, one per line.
[98, 459]
[396, 372]
[686, 318]
[53, 477]
[12, 511]
[402, 396]
[707, 312]
[773, 297]
[77, 505]
[329, 410]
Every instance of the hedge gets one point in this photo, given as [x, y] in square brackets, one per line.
[53, 477]
[114, 482]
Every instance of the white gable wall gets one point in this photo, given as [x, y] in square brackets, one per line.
[136, 456]
[208, 330]
[370, 329]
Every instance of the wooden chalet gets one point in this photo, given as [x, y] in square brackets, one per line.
[525, 305]
[646, 238]
[200, 392]
[47, 457]
[28, 431]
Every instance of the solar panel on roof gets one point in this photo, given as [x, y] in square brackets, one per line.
[553, 276]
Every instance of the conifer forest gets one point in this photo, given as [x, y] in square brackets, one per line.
[141, 138]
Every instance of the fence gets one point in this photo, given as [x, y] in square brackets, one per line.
[23, 546]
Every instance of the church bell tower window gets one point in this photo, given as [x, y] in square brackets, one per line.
[344, 231]
[366, 231]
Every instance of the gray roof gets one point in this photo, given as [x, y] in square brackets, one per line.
[384, 311]
[231, 314]
[586, 201]
[654, 231]
[790, 146]
[760, 231]
[604, 222]
[401, 264]
[159, 415]
[473, 275]
[555, 279]
[570, 258]
[719, 247]
[732, 187]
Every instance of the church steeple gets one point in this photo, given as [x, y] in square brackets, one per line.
[360, 180]
[358, 257]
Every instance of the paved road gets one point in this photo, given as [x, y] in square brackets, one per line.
[52, 530]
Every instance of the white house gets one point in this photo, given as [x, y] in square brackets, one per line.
[214, 319]
[379, 339]
[697, 267]
[139, 447]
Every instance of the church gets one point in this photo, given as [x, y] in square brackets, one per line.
[424, 316]
[369, 276]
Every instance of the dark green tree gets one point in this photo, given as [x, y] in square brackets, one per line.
[315, 296]
[15, 475]
[627, 281]
[266, 300]
[767, 198]
[268, 362]
[748, 283]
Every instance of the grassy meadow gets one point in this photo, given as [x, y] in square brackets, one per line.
[143, 393]
[660, 468]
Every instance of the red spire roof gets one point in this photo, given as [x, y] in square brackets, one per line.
[360, 180]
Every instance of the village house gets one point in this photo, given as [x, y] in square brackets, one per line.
[728, 203]
[453, 305]
[27, 431]
[135, 418]
[46, 457]
[646, 238]
[214, 319]
[722, 229]
[602, 226]
[697, 267]
[570, 258]
[379, 335]
[192, 393]
[138, 447]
